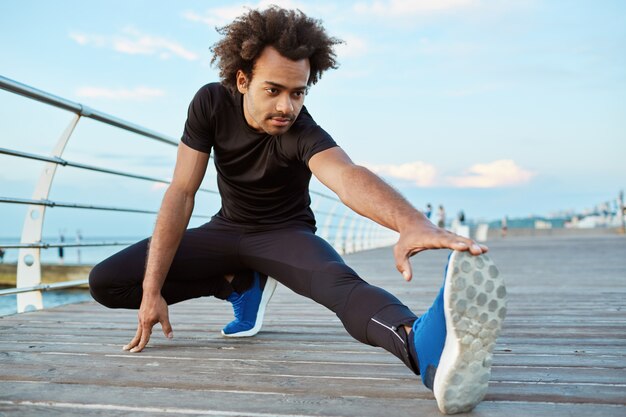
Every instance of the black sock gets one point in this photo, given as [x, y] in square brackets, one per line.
[242, 281]
[412, 354]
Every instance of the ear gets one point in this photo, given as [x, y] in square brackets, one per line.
[242, 82]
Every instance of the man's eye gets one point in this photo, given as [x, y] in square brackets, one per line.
[271, 90]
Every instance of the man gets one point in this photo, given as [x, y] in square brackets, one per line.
[441, 217]
[266, 146]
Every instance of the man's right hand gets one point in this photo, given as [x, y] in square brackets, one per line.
[153, 310]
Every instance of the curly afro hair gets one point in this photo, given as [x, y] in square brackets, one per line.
[291, 32]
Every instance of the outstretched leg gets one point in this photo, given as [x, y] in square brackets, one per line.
[450, 345]
[309, 266]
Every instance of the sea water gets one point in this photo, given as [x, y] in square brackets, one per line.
[8, 303]
[72, 256]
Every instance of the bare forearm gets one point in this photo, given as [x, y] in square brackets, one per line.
[171, 223]
[368, 195]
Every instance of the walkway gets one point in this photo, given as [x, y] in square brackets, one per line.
[562, 351]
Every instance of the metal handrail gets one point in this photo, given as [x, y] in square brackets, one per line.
[327, 213]
[44, 245]
[49, 203]
[65, 162]
[80, 109]
[45, 287]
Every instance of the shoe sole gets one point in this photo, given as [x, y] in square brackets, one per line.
[474, 307]
[268, 291]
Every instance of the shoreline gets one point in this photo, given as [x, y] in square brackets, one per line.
[50, 273]
[496, 233]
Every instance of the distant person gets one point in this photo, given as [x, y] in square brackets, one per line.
[504, 226]
[429, 211]
[61, 248]
[441, 217]
[266, 146]
[2, 252]
[79, 239]
[461, 217]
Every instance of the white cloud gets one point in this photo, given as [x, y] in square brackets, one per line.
[500, 173]
[407, 8]
[137, 93]
[84, 39]
[132, 41]
[504, 172]
[220, 16]
[418, 172]
[159, 186]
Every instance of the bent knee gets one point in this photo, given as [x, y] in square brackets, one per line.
[101, 285]
[97, 283]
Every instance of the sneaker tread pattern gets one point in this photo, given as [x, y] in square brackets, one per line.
[475, 306]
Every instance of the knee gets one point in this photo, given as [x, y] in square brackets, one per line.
[100, 284]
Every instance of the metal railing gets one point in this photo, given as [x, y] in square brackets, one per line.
[342, 228]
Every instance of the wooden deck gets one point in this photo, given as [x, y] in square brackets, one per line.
[562, 351]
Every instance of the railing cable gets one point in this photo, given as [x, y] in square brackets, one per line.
[64, 162]
[44, 245]
[50, 203]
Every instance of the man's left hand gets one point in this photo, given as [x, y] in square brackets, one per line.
[428, 236]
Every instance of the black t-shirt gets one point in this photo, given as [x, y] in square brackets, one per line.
[262, 179]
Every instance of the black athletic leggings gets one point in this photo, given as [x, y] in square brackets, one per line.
[291, 253]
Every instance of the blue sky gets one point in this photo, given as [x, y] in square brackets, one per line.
[494, 107]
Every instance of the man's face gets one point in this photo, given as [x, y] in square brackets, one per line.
[274, 96]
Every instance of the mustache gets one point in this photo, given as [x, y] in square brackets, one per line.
[290, 117]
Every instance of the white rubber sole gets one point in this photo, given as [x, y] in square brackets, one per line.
[475, 307]
[268, 291]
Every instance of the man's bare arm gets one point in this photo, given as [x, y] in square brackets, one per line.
[173, 218]
[368, 195]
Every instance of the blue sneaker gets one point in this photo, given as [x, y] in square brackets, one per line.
[249, 307]
[455, 338]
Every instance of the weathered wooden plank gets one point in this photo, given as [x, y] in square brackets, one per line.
[203, 349]
[70, 399]
[562, 351]
[293, 363]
